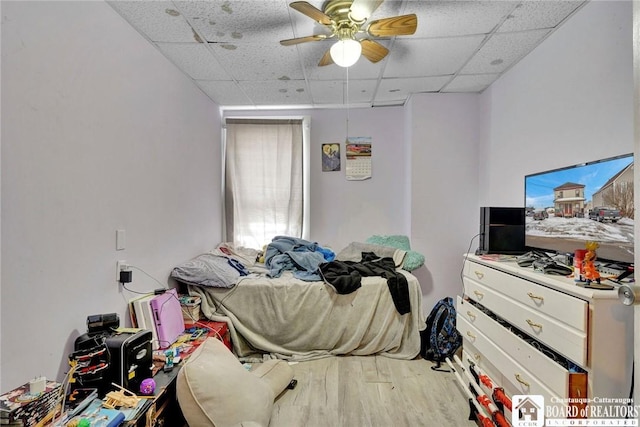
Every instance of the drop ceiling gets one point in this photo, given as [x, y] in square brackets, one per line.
[231, 49]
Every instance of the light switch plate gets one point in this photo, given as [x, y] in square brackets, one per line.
[121, 240]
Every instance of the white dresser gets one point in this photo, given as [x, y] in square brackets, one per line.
[534, 333]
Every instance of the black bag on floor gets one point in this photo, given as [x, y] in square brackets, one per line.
[440, 339]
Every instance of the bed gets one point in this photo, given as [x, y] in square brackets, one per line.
[288, 318]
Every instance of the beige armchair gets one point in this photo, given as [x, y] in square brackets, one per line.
[215, 390]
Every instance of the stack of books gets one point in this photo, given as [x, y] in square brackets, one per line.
[22, 407]
[142, 316]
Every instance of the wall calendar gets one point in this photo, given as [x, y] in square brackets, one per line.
[358, 153]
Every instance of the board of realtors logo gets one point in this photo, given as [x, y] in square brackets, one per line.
[528, 410]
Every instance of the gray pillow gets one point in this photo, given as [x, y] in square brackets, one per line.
[207, 270]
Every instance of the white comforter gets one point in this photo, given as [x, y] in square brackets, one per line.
[298, 320]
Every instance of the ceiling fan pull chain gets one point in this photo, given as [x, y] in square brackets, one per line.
[347, 104]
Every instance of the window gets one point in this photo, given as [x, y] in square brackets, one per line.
[266, 180]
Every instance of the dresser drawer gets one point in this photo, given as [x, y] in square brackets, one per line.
[518, 374]
[525, 382]
[566, 308]
[566, 340]
[549, 370]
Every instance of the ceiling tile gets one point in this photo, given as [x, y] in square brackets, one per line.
[458, 18]
[239, 21]
[340, 93]
[195, 59]
[258, 62]
[471, 83]
[328, 91]
[400, 89]
[160, 21]
[288, 92]
[502, 50]
[538, 14]
[431, 57]
[387, 9]
[224, 92]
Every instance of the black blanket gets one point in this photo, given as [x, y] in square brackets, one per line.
[346, 277]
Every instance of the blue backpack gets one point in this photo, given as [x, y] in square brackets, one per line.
[440, 339]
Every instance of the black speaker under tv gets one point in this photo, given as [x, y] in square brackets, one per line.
[502, 230]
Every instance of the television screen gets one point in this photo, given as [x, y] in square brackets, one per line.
[590, 201]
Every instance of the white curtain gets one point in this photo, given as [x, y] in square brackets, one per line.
[263, 180]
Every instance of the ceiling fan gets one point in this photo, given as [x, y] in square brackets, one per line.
[348, 22]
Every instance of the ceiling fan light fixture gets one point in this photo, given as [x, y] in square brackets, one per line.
[346, 52]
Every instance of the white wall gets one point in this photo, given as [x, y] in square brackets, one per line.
[344, 211]
[567, 102]
[99, 132]
[444, 188]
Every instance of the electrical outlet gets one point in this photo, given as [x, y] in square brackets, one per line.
[120, 265]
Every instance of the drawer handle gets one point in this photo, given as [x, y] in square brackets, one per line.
[534, 296]
[476, 356]
[470, 335]
[521, 381]
[471, 315]
[478, 294]
[533, 324]
[479, 274]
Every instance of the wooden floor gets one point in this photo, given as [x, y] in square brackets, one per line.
[363, 391]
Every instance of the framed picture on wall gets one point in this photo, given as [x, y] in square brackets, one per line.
[330, 157]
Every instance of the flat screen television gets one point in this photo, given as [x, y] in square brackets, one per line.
[566, 207]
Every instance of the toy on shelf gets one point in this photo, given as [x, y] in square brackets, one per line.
[147, 386]
[122, 397]
[589, 271]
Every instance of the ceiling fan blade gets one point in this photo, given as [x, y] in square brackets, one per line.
[311, 11]
[326, 59]
[290, 42]
[373, 51]
[363, 9]
[397, 26]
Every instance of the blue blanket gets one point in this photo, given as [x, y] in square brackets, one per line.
[298, 255]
